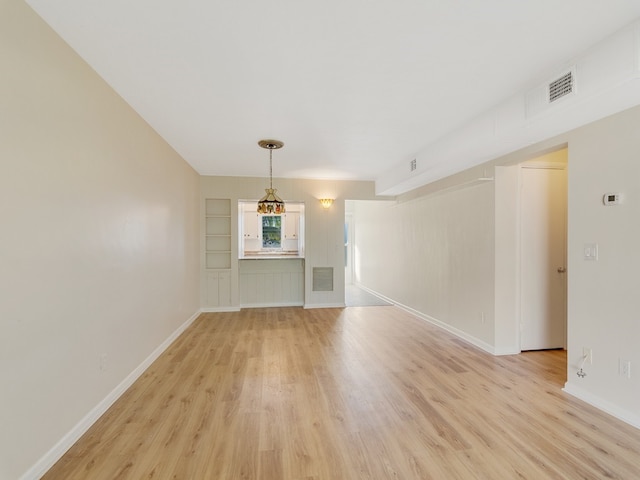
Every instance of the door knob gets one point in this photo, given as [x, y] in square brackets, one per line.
[561, 269]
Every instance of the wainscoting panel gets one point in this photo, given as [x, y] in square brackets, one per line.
[271, 283]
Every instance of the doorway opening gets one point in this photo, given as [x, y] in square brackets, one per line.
[543, 252]
[355, 294]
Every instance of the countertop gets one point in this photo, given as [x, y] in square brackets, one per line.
[270, 255]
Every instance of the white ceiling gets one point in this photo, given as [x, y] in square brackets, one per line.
[352, 87]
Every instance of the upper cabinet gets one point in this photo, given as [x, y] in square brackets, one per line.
[250, 223]
[291, 225]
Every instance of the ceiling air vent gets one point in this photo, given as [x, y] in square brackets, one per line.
[413, 165]
[561, 87]
[551, 93]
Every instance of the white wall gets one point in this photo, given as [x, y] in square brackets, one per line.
[507, 262]
[434, 255]
[99, 240]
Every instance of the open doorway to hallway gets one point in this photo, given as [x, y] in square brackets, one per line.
[348, 243]
[355, 295]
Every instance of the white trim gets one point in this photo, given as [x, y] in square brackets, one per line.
[445, 326]
[308, 306]
[626, 416]
[220, 309]
[499, 352]
[376, 294]
[532, 164]
[349, 273]
[458, 333]
[66, 442]
[272, 304]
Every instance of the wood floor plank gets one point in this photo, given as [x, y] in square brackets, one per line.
[349, 394]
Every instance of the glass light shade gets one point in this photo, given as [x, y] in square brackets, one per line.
[271, 203]
[326, 202]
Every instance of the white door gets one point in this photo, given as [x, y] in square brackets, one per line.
[543, 258]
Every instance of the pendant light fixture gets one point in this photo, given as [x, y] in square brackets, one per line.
[271, 203]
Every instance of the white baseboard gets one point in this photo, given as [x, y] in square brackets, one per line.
[309, 306]
[376, 294]
[66, 442]
[220, 309]
[626, 416]
[445, 326]
[506, 351]
[267, 305]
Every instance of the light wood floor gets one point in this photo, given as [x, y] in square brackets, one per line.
[340, 394]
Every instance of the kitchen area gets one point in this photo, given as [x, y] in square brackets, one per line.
[271, 254]
[306, 269]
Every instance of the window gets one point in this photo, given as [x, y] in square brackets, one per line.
[272, 231]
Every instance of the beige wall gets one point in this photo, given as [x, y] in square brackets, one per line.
[601, 305]
[604, 312]
[99, 240]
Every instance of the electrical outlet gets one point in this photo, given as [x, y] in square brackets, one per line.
[588, 353]
[624, 367]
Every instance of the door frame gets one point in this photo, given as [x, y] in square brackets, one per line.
[349, 263]
[540, 165]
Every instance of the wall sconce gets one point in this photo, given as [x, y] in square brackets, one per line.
[326, 202]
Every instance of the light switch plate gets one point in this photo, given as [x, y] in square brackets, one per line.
[591, 251]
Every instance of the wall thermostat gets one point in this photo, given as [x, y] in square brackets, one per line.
[611, 199]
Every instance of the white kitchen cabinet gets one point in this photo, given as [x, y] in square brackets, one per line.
[291, 225]
[218, 288]
[251, 226]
